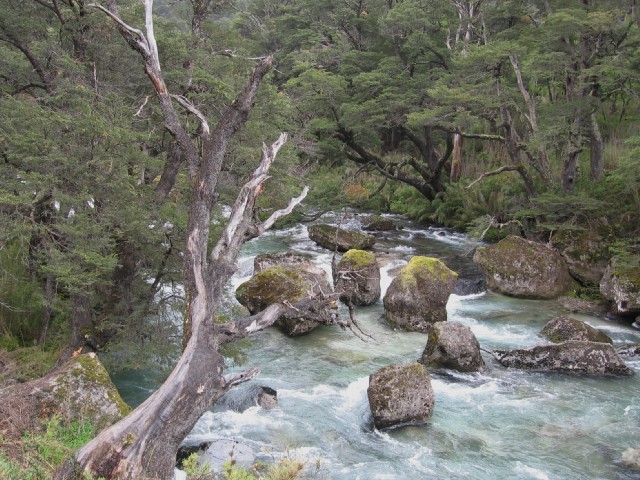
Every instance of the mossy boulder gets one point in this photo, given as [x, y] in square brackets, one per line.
[452, 345]
[620, 285]
[357, 278]
[79, 390]
[285, 259]
[400, 395]
[591, 358]
[376, 223]
[283, 284]
[334, 238]
[522, 268]
[561, 329]
[417, 297]
[585, 251]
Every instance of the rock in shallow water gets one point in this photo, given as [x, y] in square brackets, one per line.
[357, 278]
[452, 345]
[561, 329]
[519, 267]
[334, 238]
[570, 357]
[400, 394]
[417, 297]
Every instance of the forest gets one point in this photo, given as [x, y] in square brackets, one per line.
[138, 145]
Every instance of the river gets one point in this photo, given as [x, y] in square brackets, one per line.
[497, 424]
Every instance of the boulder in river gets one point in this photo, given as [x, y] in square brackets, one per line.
[284, 284]
[240, 399]
[620, 285]
[417, 297]
[632, 350]
[631, 458]
[285, 259]
[571, 357]
[377, 223]
[561, 329]
[585, 251]
[400, 394]
[79, 390]
[334, 238]
[522, 268]
[452, 345]
[357, 278]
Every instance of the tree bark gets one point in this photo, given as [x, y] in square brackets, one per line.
[144, 444]
[597, 150]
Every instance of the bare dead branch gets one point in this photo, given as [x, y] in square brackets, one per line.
[187, 105]
[233, 379]
[139, 111]
[506, 168]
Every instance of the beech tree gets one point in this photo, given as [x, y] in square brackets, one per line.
[144, 444]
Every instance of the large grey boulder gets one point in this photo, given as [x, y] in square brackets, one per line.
[286, 259]
[417, 297]
[585, 251]
[572, 357]
[357, 278]
[452, 345]
[400, 394]
[79, 390]
[620, 285]
[561, 329]
[522, 268]
[376, 223]
[243, 398]
[334, 238]
[284, 284]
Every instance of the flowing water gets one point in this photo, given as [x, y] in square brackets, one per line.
[497, 424]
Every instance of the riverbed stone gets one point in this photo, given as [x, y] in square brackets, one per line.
[632, 350]
[286, 259]
[560, 329]
[452, 345]
[585, 251]
[400, 395]
[631, 458]
[417, 297]
[334, 238]
[522, 268]
[581, 305]
[79, 390]
[284, 284]
[591, 358]
[620, 285]
[357, 278]
[377, 223]
[242, 398]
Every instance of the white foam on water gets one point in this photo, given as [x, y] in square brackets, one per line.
[235, 422]
[465, 392]
[354, 395]
[415, 461]
[532, 472]
[317, 391]
[179, 474]
[402, 249]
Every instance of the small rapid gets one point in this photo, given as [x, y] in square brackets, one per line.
[496, 424]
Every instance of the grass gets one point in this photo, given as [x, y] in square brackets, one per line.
[286, 468]
[37, 455]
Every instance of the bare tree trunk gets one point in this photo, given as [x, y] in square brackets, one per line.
[597, 150]
[456, 158]
[143, 444]
[48, 309]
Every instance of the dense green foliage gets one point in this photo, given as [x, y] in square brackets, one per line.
[392, 106]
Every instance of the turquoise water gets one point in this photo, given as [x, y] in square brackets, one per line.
[492, 425]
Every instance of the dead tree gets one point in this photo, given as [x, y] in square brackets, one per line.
[143, 445]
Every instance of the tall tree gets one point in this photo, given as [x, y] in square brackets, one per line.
[144, 443]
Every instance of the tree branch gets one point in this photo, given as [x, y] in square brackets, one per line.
[506, 168]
